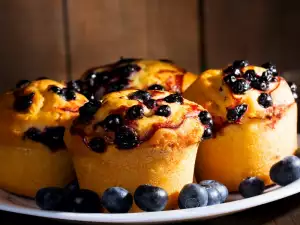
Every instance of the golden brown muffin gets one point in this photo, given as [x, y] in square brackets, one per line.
[134, 138]
[32, 151]
[135, 74]
[255, 120]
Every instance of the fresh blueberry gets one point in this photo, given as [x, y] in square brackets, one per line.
[230, 79]
[286, 170]
[33, 134]
[240, 63]
[232, 70]
[53, 137]
[163, 110]
[214, 197]
[72, 186]
[55, 89]
[192, 196]
[113, 122]
[266, 76]
[207, 134]
[251, 187]
[265, 100]
[172, 98]
[83, 201]
[22, 83]
[75, 85]
[240, 86]
[126, 138]
[260, 85]
[89, 109]
[250, 75]
[270, 67]
[50, 198]
[150, 104]
[23, 102]
[205, 118]
[295, 95]
[235, 114]
[140, 95]
[156, 87]
[117, 200]
[97, 144]
[218, 186]
[293, 86]
[69, 94]
[135, 112]
[150, 198]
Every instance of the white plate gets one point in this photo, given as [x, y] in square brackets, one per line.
[13, 203]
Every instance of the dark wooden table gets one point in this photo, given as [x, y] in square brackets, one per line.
[282, 212]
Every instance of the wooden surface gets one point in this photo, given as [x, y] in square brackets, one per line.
[282, 212]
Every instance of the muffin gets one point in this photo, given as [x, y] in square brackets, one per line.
[32, 152]
[137, 137]
[255, 122]
[134, 74]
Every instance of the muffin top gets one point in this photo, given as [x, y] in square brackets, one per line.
[242, 91]
[134, 74]
[129, 118]
[39, 110]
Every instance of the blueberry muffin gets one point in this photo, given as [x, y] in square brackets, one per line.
[255, 122]
[137, 137]
[33, 153]
[133, 74]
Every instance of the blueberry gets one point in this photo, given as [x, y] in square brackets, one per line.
[117, 200]
[23, 102]
[22, 83]
[156, 87]
[218, 186]
[88, 94]
[127, 69]
[72, 186]
[240, 63]
[150, 104]
[207, 134]
[163, 110]
[250, 75]
[251, 186]
[266, 76]
[75, 85]
[150, 198]
[230, 79]
[270, 67]
[260, 85]
[192, 196]
[116, 86]
[97, 144]
[234, 114]
[135, 112]
[240, 86]
[205, 118]
[113, 122]
[69, 94]
[295, 95]
[55, 89]
[126, 138]
[172, 98]
[140, 95]
[293, 86]
[89, 109]
[53, 137]
[83, 201]
[33, 134]
[214, 197]
[50, 198]
[265, 100]
[286, 170]
[232, 70]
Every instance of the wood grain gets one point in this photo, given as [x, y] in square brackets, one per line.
[258, 30]
[31, 40]
[103, 30]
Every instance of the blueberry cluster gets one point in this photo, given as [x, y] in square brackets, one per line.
[206, 120]
[52, 137]
[23, 102]
[240, 82]
[67, 93]
[293, 88]
[235, 114]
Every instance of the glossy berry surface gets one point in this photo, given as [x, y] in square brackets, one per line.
[23, 102]
[214, 197]
[205, 118]
[240, 63]
[250, 75]
[97, 144]
[22, 83]
[286, 170]
[150, 104]
[163, 110]
[75, 85]
[235, 114]
[293, 86]
[83, 201]
[207, 134]
[53, 137]
[156, 87]
[240, 86]
[89, 109]
[113, 122]
[218, 186]
[55, 89]
[266, 76]
[271, 67]
[117, 200]
[140, 95]
[69, 94]
[230, 79]
[251, 186]
[232, 70]
[126, 138]
[50, 198]
[150, 198]
[172, 98]
[260, 85]
[192, 196]
[33, 134]
[135, 112]
[265, 100]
